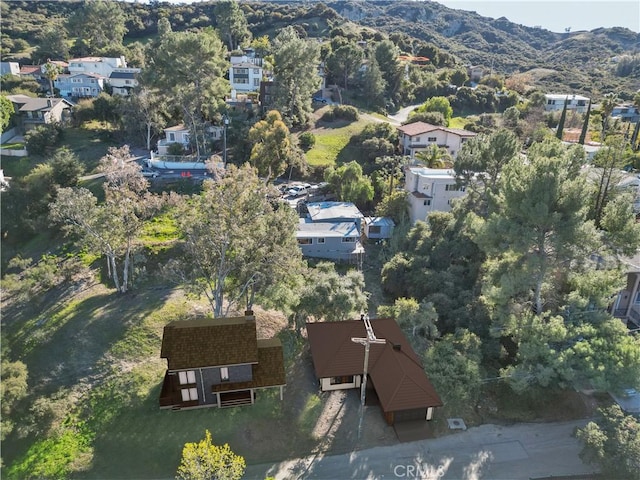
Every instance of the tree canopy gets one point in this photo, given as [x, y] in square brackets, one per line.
[205, 461]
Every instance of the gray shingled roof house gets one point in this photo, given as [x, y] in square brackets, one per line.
[218, 362]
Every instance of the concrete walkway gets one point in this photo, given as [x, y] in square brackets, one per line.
[522, 451]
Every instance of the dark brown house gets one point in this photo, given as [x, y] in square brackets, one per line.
[218, 362]
[395, 371]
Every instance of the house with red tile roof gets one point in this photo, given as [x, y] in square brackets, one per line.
[418, 136]
[218, 362]
[395, 371]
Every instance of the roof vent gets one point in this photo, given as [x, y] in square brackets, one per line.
[397, 347]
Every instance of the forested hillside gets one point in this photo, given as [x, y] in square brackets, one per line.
[587, 62]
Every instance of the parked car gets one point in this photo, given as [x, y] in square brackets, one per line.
[150, 173]
[317, 99]
[299, 190]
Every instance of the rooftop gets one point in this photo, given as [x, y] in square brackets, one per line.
[418, 128]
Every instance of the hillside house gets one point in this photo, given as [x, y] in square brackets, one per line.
[476, 72]
[218, 362]
[395, 372]
[627, 304]
[9, 68]
[245, 73]
[102, 66]
[430, 190]
[335, 212]
[418, 136]
[555, 102]
[123, 80]
[79, 85]
[331, 240]
[32, 112]
[627, 112]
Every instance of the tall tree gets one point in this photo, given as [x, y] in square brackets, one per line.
[296, 76]
[237, 244]
[189, 68]
[373, 84]
[563, 118]
[386, 53]
[51, 72]
[479, 164]
[52, 43]
[349, 183]
[205, 461]
[418, 317]
[539, 225]
[232, 23]
[612, 442]
[345, 62]
[110, 228]
[6, 111]
[99, 25]
[329, 295]
[585, 126]
[608, 161]
[144, 113]
[609, 101]
[272, 146]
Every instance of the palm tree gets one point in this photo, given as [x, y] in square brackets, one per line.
[435, 157]
[51, 71]
[609, 101]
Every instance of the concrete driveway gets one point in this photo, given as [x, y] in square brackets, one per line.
[522, 451]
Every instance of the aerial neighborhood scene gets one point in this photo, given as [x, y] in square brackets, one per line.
[318, 239]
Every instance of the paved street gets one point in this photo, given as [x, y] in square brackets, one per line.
[522, 451]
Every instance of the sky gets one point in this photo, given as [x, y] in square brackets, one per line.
[557, 15]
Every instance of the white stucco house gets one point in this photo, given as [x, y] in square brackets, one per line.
[418, 136]
[555, 102]
[627, 112]
[245, 73]
[103, 66]
[430, 190]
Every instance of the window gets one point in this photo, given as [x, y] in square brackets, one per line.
[452, 187]
[340, 380]
[427, 202]
[374, 229]
[638, 297]
[188, 377]
[241, 80]
[320, 240]
[224, 374]
[256, 71]
[172, 137]
[241, 71]
[256, 82]
[432, 139]
[416, 139]
[348, 239]
[189, 394]
[127, 82]
[305, 241]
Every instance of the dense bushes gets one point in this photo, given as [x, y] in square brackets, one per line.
[42, 137]
[341, 112]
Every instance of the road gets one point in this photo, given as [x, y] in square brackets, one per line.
[402, 115]
[521, 451]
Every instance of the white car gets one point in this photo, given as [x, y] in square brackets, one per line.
[150, 173]
[299, 190]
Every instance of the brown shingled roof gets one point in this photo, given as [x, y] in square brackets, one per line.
[397, 373]
[269, 372]
[418, 128]
[209, 342]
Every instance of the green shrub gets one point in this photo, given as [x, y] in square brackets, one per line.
[307, 140]
[346, 112]
[175, 149]
[42, 137]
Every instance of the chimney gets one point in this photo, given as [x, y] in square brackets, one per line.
[397, 347]
[49, 104]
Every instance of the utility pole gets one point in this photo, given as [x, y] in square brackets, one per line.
[371, 339]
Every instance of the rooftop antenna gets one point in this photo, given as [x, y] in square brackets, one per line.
[371, 339]
[567, 30]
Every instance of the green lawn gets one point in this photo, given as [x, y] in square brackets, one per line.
[458, 122]
[332, 142]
